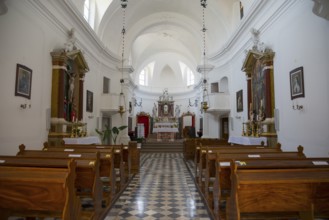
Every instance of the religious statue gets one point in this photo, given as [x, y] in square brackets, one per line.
[154, 111]
[71, 87]
[165, 109]
[177, 111]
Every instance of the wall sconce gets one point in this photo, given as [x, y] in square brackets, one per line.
[297, 107]
[24, 106]
[195, 104]
[136, 103]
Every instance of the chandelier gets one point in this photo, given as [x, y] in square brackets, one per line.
[205, 96]
[122, 99]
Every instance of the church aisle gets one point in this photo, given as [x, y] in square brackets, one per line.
[164, 189]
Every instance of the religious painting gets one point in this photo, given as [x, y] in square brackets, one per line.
[297, 83]
[23, 81]
[239, 101]
[89, 105]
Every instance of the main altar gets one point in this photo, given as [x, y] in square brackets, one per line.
[165, 118]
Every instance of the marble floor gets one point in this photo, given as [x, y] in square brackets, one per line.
[163, 189]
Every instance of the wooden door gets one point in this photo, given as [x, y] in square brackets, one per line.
[224, 128]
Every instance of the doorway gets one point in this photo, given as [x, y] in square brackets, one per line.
[224, 128]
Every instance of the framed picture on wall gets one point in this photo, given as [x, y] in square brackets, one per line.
[89, 101]
[297, 89]
[239, 101]
[23, 81]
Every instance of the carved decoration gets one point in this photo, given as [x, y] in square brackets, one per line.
[321, 8]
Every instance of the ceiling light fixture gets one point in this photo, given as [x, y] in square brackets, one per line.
[122, 99]
[205, 95]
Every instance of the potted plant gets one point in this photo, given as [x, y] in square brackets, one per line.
[110, 133]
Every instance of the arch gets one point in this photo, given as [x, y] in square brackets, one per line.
[223, 85]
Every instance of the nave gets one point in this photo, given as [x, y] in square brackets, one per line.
[163, 189]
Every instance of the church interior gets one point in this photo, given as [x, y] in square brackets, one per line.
[161, 85]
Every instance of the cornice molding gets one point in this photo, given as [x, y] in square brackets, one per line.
[321, 8]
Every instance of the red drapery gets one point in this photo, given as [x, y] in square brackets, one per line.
[143, 119]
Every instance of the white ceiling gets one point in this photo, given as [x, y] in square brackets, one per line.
[156, 28]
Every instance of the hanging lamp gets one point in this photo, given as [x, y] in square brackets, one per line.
[205, 95]
[122, 99]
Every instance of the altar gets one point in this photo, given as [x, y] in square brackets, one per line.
[244, 140]
[165, 130]
[82, 140]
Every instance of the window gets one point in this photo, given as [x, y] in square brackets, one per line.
[106, 85]
[190, 77]
[187, 72]
[86, 10]
[142, 78]
[214, 87]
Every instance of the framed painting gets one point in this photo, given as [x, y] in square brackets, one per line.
[239, 101]
[23, 81]
[297, 89]
[90, 101]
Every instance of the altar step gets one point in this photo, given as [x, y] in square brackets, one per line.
[162, 147]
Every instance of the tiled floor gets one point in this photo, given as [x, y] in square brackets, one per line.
[164, 189]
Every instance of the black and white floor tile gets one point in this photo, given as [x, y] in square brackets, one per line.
[164, 189]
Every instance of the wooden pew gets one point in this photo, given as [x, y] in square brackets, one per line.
[199, 142]
[88, 182]
[118, 174]
[269, 193]
[200, 166]
[39, 192]
[209, 175]
[130, 154]
[222, 183]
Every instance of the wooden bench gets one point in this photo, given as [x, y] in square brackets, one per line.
[200, 164]
[119, 172]
[222, 182]
[190, 144]
[39, 192]
[199, 158]
[131, 154]
[87, 182]
[266, 193]
[208, 175]
[90, 167]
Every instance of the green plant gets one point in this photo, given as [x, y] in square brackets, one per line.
[110, 133]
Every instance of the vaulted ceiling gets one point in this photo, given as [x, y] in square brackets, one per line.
[159, 29]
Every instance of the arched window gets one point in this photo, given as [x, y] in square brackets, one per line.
[189, 77]
[188, 73]
[142, 78]
[86, 10]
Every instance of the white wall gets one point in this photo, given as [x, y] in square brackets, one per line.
[28, 37]
[298, 38]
